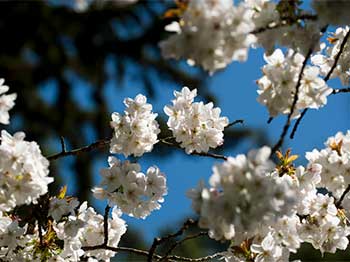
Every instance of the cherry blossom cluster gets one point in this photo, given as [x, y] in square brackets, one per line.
[86, 228]
[211, 34]
[335, 162]
[67, 229]
[6, 102]
[242, 197]
[272, 210]
[326, 58]
[11, 236]
[135, 193]
[195, 125]
[77, 229]
[136, 131]
[278, 85]
[23, 171]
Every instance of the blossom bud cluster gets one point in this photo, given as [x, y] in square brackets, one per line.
[197, 126]
[326, 61]
[135, 193]
[23, 171]
[136, 131]
[278, 85]
[211, 34]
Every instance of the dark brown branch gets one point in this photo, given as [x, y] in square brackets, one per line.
[158, 241]
[341, 90]
[238, 121]
[177, 243]
[105, 224]
[292, 109]
[339, 202]
[337, 57]
[77, 151]
[297, 123]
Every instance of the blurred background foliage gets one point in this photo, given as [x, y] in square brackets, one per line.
[51, 55]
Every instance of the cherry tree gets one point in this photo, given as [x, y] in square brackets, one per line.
[265, 207]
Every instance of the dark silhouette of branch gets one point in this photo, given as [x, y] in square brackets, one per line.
[346, 191]
[105, 224]
[337, 57]
[177, 243]
[158, 241]
[238, 121]
[77, 151]
[341, 90]
[297, 123]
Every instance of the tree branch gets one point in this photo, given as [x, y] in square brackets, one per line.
[177, 243]
[341, 90]
[77, 151]
[105, 225]
[238, 121]
[159, 241]
[337, 57]
[292, 109]
[338, 203]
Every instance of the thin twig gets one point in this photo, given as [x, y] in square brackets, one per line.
[341, 90]
[338, 203]
[158, 241]
[105, 224]
[337, 57]
[297, 123]
[77, 151]
[292, 109]
[238, 121]
[177, 243]
[41, 239]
